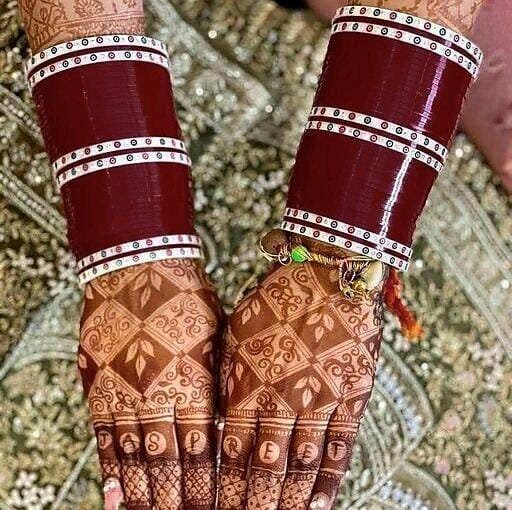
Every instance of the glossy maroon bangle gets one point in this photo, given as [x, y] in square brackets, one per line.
[107, 115]
[385, 112]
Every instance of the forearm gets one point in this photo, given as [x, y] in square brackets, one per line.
[404, 83]
[459, 15]
[104, 99]
[141, 210]
[49, 24]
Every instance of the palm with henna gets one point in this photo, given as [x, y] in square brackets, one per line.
[146, 356]
[297, 374]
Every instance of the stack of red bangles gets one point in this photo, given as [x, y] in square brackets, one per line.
[386, 109]
[384, 115]
[107, 115]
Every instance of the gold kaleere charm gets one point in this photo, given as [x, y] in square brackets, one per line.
[358, 277]
[358, 274]
[373, 274]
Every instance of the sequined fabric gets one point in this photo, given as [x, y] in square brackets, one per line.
[438, 429]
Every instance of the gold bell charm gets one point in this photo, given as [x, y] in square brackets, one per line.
[372, 275]
[274, 246]
[360, 277]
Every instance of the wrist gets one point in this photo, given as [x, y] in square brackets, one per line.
[71, 21]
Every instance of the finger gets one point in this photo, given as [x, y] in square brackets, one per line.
[304, 458]
[109, 464]
[269, 462]
[134, 474]
[337, 453]
[197, 441]
[237, 445]
[163, 462]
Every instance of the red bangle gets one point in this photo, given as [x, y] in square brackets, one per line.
[106, 111]
[385, 112]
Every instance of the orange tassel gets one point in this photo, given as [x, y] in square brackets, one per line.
[411, 328]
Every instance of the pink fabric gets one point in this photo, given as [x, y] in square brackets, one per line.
[488, 112]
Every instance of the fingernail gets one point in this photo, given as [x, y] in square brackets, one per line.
[113, 494]
[320, 501]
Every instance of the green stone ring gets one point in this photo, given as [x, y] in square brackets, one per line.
[300, 254]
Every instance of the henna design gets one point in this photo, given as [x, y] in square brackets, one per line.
[297, 373]
[49, 22]
[150, 387]
[457, 14]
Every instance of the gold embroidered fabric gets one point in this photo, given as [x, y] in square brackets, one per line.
[438, 430]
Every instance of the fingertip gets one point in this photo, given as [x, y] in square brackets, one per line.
[268, 469]
[337, 453]
[197, 441]
[134, 471]
[321, 501]
[110, 465]
[113, 494]
[305, 454]
[163, 461]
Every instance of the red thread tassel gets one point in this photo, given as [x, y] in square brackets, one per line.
[411, 328]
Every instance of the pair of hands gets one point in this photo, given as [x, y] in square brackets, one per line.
[296, 372]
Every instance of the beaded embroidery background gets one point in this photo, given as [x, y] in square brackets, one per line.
[440, 421]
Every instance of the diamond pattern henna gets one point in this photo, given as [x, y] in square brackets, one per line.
[148, 336]
[297, 373]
